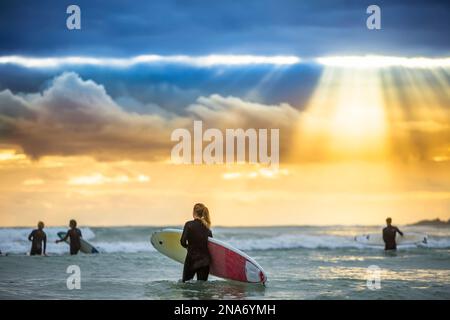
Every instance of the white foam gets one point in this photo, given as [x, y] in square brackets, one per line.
[292, 241]
[122, 246]
[113, 240]
[15, 240]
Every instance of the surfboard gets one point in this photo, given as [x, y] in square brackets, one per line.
[376, 239]
[226, 262]
[86, 247]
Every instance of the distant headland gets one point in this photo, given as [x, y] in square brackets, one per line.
[435, 223]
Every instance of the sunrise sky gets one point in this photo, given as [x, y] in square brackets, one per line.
[86, 115]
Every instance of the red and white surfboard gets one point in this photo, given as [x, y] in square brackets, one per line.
[226, 262]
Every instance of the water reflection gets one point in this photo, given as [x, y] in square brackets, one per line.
[209, 290]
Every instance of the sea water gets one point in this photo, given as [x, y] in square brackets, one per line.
[300, 262]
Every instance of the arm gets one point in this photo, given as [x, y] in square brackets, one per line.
[210, 234]
[45, 244]
[63, 239]
[183, 239]
[384, 236]
[30, 237]
[398, 230]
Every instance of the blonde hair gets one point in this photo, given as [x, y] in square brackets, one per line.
[202, 212]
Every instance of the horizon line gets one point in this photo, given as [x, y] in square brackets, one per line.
[227, 226]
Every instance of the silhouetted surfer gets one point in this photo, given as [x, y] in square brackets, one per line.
[389, 233]
[195, 239]
[75, 237]
[37, 238]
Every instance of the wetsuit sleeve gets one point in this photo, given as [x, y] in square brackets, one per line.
[183, 239]
[66, 236]
[384, 235]
[210, 234]
[45, 242]
[398, 230]
[30, 237]
[79, 233]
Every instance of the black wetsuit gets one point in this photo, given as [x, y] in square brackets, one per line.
[389, 237]
[75, 240]
[195, 239]
[37, 237]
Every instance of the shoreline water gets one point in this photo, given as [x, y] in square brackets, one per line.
[136, 239]
[301, 263]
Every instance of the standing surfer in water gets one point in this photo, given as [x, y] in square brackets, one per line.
[195, 239]
[389, 233]
[75, 237]
[37, 237]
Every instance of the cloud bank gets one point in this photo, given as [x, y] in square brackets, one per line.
[325, 27]
[77, 117]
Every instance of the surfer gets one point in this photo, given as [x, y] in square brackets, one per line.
[195, 239]
[75, 237]
[389, 233]
[37, 237]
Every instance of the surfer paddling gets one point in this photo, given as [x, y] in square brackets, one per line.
[195, 239]
[75, 237]
[389, 233]
[38, 240]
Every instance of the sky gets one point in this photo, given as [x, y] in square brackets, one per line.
[198, 27]
[86, 115]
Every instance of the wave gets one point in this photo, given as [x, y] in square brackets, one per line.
[136, 239]
[293, 242]
[15, 240]
[319, 242]
[121, 246]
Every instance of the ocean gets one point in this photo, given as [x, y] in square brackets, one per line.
[300, 262]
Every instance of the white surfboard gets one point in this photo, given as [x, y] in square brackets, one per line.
[226, 262]
[376, 239]
[86, 247]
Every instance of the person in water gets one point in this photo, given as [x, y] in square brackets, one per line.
[75, 237]
[38, 240]
[195, 239]
[389, 233]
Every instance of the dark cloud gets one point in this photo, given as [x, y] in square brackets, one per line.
[12, 106]
[74, 116]
[173, 87]
[78, 117]
[199, 27]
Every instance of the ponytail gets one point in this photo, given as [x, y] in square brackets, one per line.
[202, 212]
